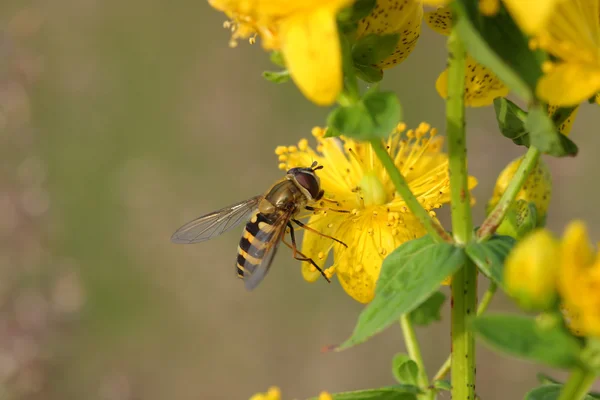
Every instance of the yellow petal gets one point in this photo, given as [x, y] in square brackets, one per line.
[316, 246]
[311, 49]
[531, 15]
[436, 2]
[482, 85]
[440, 20]
[569, 84]
[394, 16]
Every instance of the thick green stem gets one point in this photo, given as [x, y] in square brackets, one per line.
[431, 226]
[483, 305]
[578, 385]
[493, 221]
[464, 282]
[414, 351]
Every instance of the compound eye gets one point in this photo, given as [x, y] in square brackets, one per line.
[308, 181]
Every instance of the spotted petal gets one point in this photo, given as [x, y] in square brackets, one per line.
[482, 85]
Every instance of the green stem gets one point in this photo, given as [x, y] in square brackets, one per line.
[493, 221]
[578, 385]
[414, 351]
[483, 305]
[464, 282]
[431, 226]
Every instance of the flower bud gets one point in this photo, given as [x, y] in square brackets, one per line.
[519, 220]
[536, 189]
[531, 271]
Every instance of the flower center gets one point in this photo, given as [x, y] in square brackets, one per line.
[372, 190]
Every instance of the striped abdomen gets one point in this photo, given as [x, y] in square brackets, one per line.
[256, 240]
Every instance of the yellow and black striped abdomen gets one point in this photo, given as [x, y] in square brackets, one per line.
[256, 240]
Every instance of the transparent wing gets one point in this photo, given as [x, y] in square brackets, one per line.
[210, 225]
[272, 239]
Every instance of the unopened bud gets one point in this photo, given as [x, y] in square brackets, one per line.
[531, 271]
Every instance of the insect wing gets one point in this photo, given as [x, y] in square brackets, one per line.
[214, 224]
[271, 238]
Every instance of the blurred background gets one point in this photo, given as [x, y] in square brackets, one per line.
[120, 121]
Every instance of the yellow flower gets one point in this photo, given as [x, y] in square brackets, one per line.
[272, 394]
[532, 15]
[379, 220]
[571, 33]
[482, 86]
[536, 189]
[531, 270]
[391, 17]
[305, 32]
[579, 280]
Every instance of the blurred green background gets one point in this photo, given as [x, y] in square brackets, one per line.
[121, 120]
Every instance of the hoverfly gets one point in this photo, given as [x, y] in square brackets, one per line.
[270, 214]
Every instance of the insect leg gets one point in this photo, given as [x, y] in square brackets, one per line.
[309, 208]
[302, 225]
[298, 255]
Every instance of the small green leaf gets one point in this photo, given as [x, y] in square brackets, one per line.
[429, 311]
[396, 392]
[276, 58]
[277, 76]
[385, 110]
[372, 48]
[549, 392]
[522, 337]
[521, 218]
[409, 275]
[489, 256]
[374, 117]
[545, 379]
[368, 73]
[498, 43]
[511, 119]
[405, 370]
[442, 385]
[544, 135]
[359, 10]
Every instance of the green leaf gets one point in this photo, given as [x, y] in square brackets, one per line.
[429, 311]
[511, 119]
[489, 256]
[521, 218]
[396, 392]
[545, 379]
[544, 135]
[498, 43]
[372, 48]
[405, 370]
[409, 275]
[522, 337]
[385, 110]
[277, 76]
[549, 392]
[368, 73]
[442, 385]
[374, 117]
[359, 10]
[276, 58]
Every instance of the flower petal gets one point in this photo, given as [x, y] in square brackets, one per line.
[316, 246]
[440, 20]
[531, 15]
[393, 16]
[311, 49]
[482, 85]
[569, 84]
